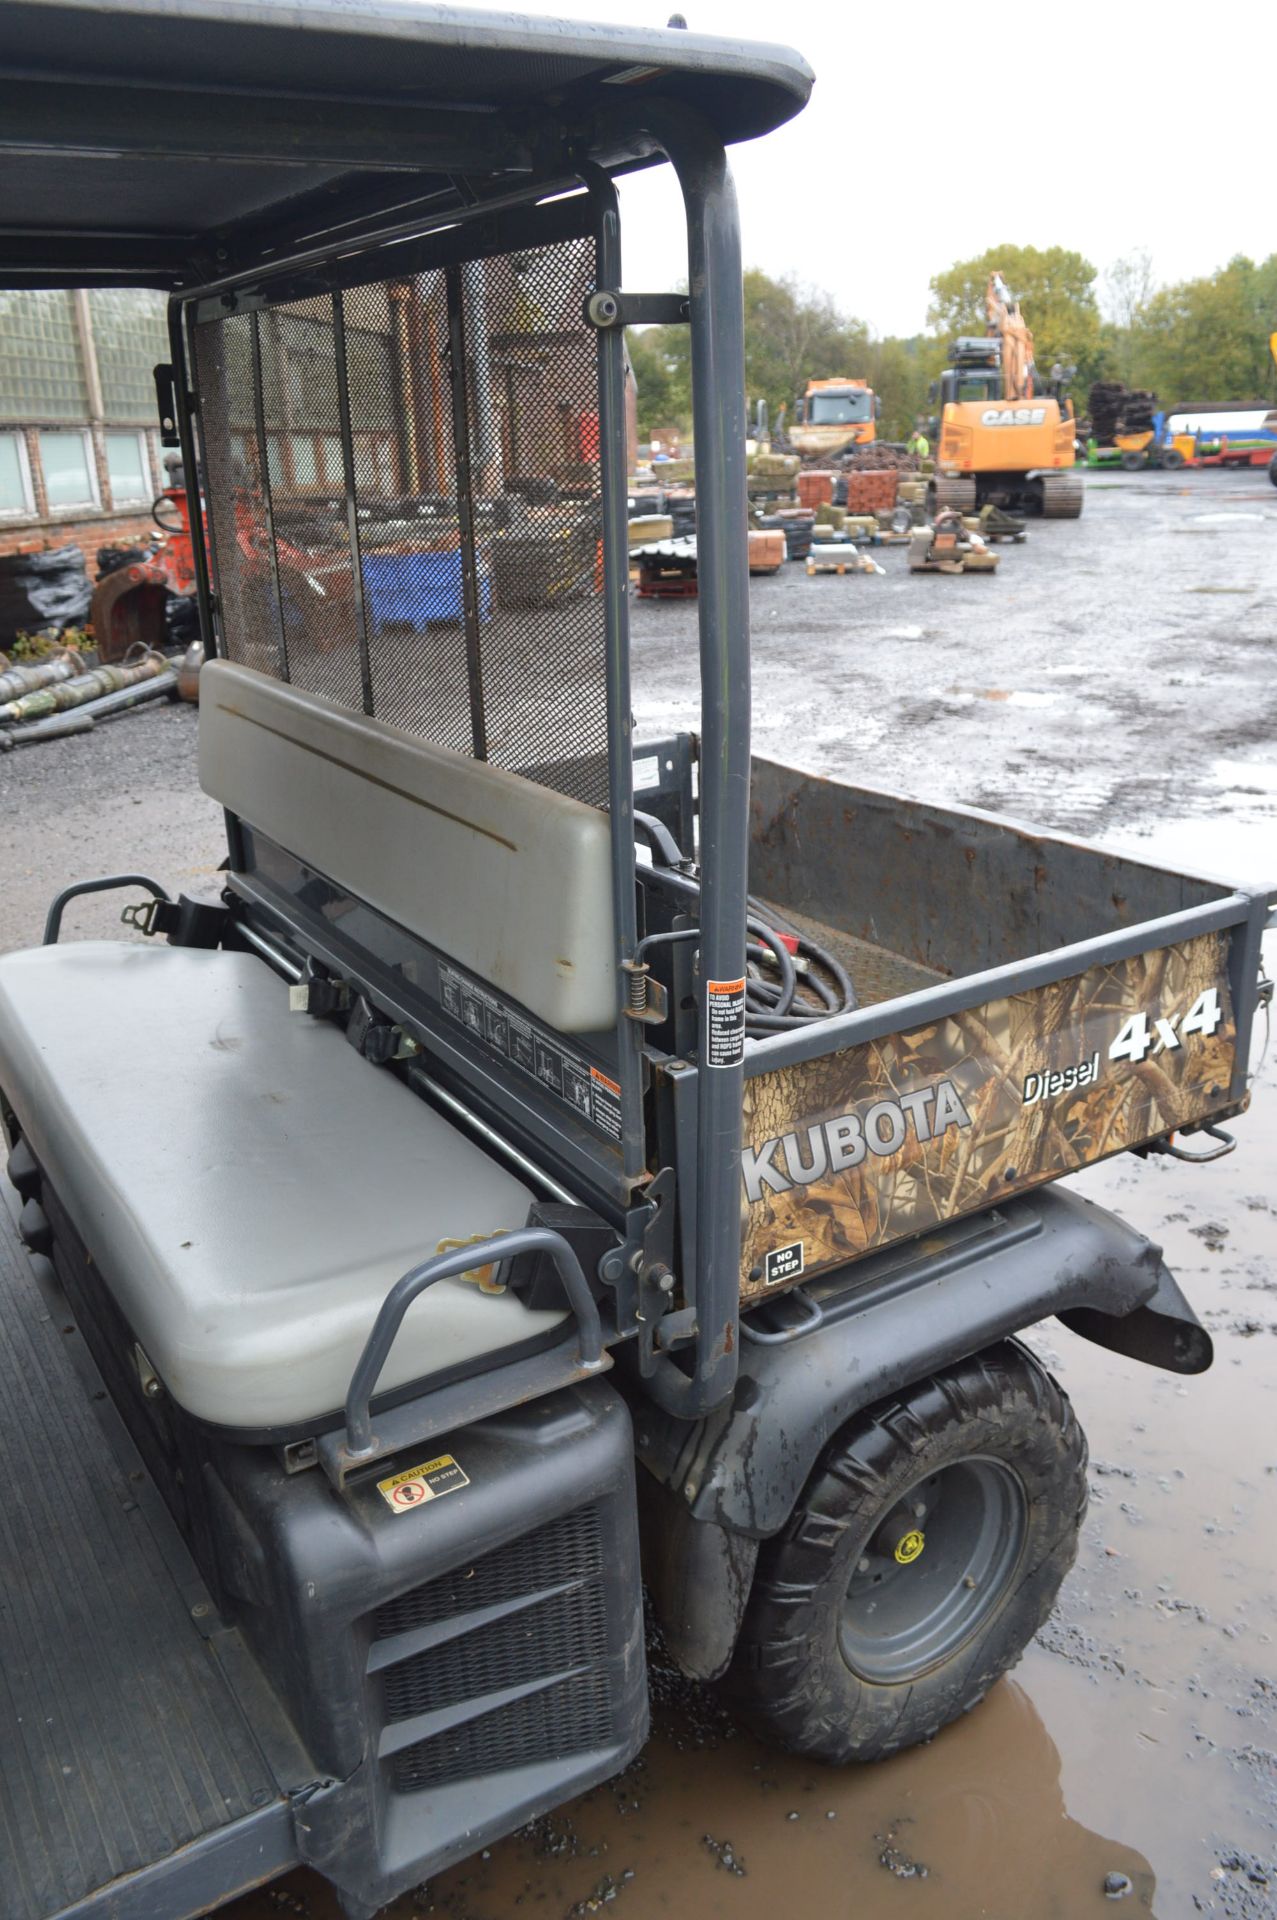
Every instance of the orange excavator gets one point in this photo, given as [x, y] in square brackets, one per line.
[132, 597]
[1001, 440]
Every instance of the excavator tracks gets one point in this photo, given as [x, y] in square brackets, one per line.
[1062, 496]
[950, 490]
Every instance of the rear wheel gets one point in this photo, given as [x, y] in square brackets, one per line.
[950, 490]
[923, 1555]
[1172, 457]
[1062, 496]
[1272, 469]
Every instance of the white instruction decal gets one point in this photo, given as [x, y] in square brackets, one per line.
[725, 1041]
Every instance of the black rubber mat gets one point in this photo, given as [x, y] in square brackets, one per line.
[120, 1739]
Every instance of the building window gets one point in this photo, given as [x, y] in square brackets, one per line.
[16, 496]
[129, 469]
[41, 370]
[67, 463]
[130, 334]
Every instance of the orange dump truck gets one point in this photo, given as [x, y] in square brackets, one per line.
[834, 415]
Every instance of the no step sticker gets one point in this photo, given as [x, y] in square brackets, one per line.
[415, 1485]
[725, 1041]
[783, 1263]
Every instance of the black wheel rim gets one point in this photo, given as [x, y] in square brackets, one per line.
[934, 1570]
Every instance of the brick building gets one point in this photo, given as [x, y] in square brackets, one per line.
[79, 444]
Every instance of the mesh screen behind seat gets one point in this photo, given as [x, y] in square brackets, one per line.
[460, 407]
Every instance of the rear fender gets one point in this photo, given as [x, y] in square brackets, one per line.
[907, 1312]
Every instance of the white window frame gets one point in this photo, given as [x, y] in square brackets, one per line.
[26, 512]
[148, 492]
[94, 503]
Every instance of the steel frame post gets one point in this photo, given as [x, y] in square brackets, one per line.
[613, 457]
[722, 567]
[182, 348]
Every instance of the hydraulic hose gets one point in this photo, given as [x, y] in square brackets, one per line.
[771, 1005]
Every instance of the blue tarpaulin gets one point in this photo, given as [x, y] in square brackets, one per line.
[414, 589]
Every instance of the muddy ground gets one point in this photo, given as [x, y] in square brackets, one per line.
[1115, 679]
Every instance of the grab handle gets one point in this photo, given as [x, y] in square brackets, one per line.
[107, 884]
[360, 1444]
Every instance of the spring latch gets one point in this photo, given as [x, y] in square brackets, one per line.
[645, 998]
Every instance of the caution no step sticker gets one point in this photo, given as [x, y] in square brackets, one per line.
[415, 1485]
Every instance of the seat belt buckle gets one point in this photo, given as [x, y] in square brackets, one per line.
[152, 916]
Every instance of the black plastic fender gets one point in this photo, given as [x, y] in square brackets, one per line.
[890, 1320]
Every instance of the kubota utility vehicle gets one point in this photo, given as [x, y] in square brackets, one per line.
[544, 1162]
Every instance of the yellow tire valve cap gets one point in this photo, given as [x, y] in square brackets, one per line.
[909, 1546]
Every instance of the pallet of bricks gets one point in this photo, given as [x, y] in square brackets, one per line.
[871, 489]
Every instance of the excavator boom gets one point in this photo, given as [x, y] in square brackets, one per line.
[1006, 320]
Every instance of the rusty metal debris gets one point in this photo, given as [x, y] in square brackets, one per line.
[72, 689]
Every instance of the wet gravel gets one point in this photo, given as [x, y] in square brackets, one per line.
[1115, 678]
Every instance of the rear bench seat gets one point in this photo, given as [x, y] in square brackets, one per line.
[249, 1187]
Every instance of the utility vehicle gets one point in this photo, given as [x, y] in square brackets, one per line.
[543, 1162]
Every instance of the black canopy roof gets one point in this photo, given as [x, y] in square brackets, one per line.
[163, 141]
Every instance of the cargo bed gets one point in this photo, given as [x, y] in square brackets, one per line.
[1028, 1005]
[134, 1777]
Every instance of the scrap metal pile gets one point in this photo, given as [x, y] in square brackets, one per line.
[63, 695]
[1115, 409]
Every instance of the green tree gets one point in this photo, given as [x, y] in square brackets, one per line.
[1056, 290]
[1128, 285]
[661, 359]
[1207, 339]
[794, 334]
[900, 373]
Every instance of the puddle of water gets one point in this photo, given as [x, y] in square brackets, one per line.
[1236, 839]
[1223, 519]
[1002, 696]
[1243, 590]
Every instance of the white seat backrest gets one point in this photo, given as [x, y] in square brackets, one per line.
[508, 878]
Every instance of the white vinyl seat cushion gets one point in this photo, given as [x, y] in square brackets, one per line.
[249, 1187]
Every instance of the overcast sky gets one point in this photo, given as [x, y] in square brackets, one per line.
[1097, 126]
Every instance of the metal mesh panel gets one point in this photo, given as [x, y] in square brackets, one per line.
[473, 415]
[409, 526]
[533, 410]
[249, 609]
[302, 411]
